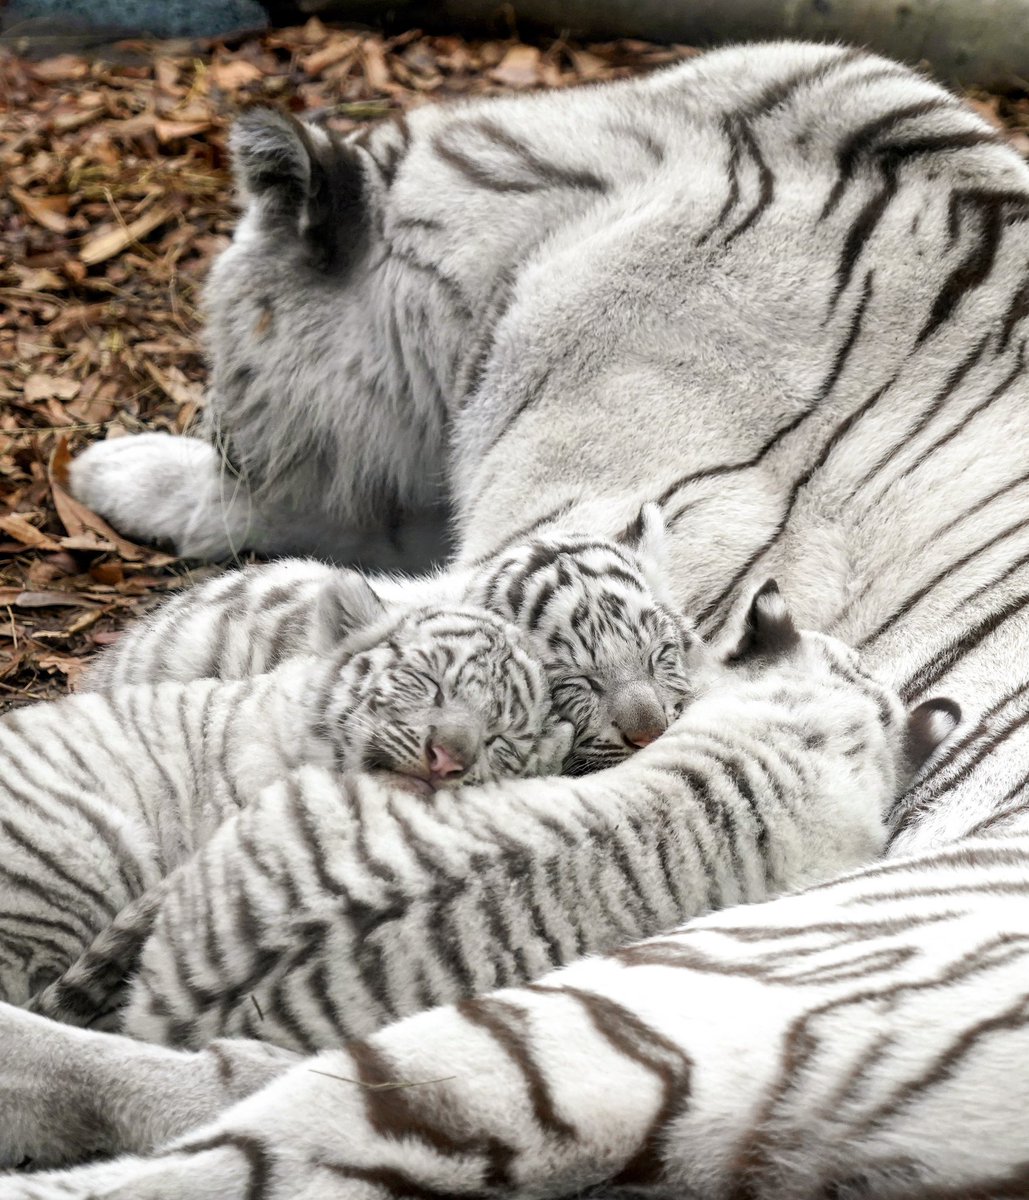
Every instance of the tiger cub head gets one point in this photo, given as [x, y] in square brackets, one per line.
[441, 697]
[839, 704]
[621, 661]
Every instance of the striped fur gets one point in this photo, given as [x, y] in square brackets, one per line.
[102, 796]
[360, 908]
[620, 662]
[780, 290]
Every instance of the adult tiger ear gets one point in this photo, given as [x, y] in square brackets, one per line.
[768, 628]
[929, 725]
[303, 181]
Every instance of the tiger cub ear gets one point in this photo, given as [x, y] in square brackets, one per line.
[645, 536]
[929, 725]
[346, 607]
[768, 628]
[304, 181]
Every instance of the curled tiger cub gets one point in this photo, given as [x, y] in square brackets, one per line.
[102, 796]
[321, 912]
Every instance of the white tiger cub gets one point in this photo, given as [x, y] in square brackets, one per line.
[102, 796]
[321, 912]
[620, 661]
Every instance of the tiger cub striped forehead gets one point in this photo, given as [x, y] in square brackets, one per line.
[441, 697]
[479, 656]
[621, 662]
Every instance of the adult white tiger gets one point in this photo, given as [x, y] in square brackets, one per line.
[787, 286]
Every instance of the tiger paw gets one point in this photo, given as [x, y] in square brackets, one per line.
[156, 487]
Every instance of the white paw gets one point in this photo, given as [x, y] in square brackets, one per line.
[159, 488]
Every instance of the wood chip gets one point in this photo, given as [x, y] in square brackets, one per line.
[106, 244]
[170, 131]
[46, 211]
[519, 68]
[51, 600]
[233, 74]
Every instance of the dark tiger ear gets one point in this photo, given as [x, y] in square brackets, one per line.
[304, 181]
[768, 628]
[929, 725]
[347, 606]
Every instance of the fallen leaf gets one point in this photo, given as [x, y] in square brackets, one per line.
[66, 664]
[15, 525]
[233, 73]
[75, 516]
[38, 279]
[43, 387]
[520, 67]
[107, 243]
[179, 390]
[45, 211]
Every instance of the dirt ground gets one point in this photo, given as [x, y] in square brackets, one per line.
[114, 195]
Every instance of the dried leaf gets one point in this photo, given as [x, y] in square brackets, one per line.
[520, 67]
[47, 211]
[38, 279]
[15, 526]
[43, 387]
[106, 244]
[76, 517]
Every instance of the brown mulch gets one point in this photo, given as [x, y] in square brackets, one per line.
[114, 194]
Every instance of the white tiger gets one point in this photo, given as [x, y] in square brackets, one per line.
[102, 796]
[781, 290]
[325, 909]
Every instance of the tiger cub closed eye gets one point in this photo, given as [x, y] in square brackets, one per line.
[443, 696]
[621, 661]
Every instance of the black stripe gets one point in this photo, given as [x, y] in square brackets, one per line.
[975, 268]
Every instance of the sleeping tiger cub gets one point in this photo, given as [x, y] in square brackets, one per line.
[620, 661]
[323, 911]
[101, 796]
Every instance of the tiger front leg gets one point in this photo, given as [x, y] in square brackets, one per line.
[157, 487]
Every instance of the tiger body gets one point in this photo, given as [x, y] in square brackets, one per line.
[794, 314]
[103, 796]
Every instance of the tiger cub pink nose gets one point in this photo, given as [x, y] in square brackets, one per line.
[643, 737]
[442, 762]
